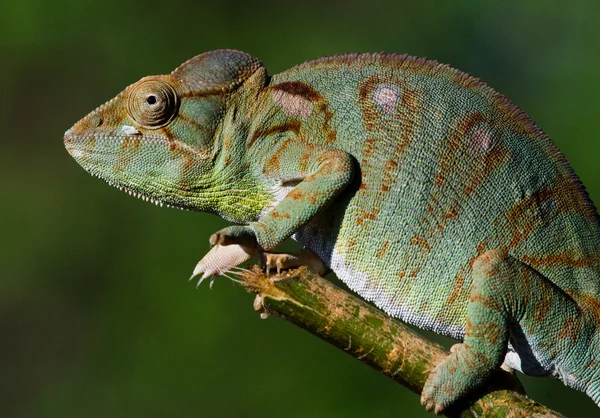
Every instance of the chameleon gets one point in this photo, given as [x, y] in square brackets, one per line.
[422, 188]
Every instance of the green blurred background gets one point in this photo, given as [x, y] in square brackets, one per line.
[97, 318]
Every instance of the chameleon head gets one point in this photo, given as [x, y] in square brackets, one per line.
[156, 139]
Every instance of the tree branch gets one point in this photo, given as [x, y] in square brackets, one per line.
[376, 339]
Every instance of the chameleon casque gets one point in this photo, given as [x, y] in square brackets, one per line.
[423, 189]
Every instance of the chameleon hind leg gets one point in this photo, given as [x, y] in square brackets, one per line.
[508, 299]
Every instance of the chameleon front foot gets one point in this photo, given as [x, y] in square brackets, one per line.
[232, 246]
[220, 259]
[282, 261]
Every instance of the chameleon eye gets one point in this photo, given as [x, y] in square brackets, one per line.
[152, 103]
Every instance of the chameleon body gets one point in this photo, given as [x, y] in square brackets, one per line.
[422, 188]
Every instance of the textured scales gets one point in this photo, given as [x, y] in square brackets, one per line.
[422, 188]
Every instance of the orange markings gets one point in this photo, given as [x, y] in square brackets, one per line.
[401, 147]
[481, 247]
[298, 88]
[369, 145]
[571, 328]
[128, 146]
[450, 214]
[295, 194]
[383, 249]
[290, 126]
[488, 302]
[90, 149]
[388, 174]
[130, 142]
[369, 110]
[194, 123]
[189, 161]
[367, 215]
[522, 216]
[298, 194]
[565, 259]
[311, 197]
[454, 142]
[588, 301]
[331, 133]
[422, 242]
[459, 282]
[486, 330]
[304, 160]
[411, 110]
[541, 308]
[272, 166]
[275, 214]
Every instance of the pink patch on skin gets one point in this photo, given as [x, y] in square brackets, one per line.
[481, 142]
[293, 105]
[387, 98]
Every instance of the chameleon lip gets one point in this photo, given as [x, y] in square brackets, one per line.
[137, 194]
[72, 139]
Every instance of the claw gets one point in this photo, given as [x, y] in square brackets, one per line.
[429, 404]
[210, 284]
[200, 281]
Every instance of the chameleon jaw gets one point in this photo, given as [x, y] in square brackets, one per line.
[89, 149]
[139, 195]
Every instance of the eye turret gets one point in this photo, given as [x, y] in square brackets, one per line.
[152, 103]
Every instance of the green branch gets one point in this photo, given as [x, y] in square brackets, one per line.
[376, 339]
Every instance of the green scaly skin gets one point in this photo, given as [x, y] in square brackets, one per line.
[422, 188]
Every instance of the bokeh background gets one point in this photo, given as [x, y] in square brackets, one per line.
[97, 318]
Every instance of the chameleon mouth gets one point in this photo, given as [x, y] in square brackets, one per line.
[137, 194]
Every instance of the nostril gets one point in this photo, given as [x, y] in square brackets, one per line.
[99, 121]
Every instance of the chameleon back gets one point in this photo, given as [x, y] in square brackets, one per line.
[448, 170]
